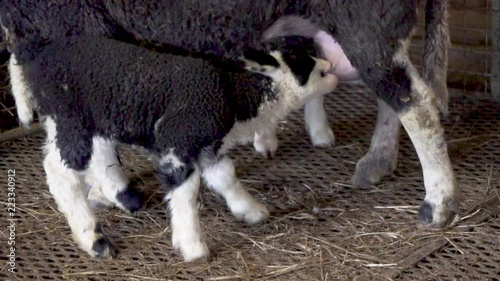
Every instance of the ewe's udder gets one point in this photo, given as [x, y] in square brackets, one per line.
[341, 66]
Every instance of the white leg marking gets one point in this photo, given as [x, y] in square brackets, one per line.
[105, 174]
[221, 178]
[317, 123]
[67, 187]
[21, 92]
[265, 142]
[186, 229]
[427, 135]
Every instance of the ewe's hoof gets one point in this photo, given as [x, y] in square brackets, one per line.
[371, 169]
[438, 216]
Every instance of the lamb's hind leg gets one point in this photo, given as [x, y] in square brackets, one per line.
[108, 183]
[381, 159]
[67, 187]
[182, 181]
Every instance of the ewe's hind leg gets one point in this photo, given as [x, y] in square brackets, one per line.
[221, 178]
[381, 159]
[21, 92]
[182, 181]
[317, 123]
[109, 184]
[67, 187]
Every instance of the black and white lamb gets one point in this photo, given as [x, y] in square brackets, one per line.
[186, 112]
[374, 34]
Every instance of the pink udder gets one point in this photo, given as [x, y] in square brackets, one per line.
[341, 66]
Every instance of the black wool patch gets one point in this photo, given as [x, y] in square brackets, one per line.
[131, 199]
[260, 57]
[394, 87]
[173, 177]
[300, 63]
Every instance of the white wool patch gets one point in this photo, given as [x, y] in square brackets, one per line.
[21, 92]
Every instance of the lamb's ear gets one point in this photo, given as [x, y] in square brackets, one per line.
[260, 62]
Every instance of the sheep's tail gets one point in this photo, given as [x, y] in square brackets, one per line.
[291, 25]
[21, 92]
[435, 56]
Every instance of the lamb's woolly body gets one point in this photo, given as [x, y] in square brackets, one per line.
[137, 96]
[92, 92]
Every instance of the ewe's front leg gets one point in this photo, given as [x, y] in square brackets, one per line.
[221, 178]
[183, 183]
[317, 123]
[381, 159]
[422, 123]
[417, 108]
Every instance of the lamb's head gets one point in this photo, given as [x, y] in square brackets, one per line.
[297, 76]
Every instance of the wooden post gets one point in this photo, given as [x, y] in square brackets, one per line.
[495, 67]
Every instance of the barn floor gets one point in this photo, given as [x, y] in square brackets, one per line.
[321, 228]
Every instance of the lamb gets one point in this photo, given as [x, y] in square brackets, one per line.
[375, 42]
[185, 112]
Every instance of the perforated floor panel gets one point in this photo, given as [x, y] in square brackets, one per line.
[321, 228]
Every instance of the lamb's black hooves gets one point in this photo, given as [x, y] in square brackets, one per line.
[131, 199]
[103, 248]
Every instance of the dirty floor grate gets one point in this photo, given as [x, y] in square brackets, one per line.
[321, 228]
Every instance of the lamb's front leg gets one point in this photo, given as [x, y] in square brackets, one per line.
[265, 142]
[183, 181]
[317, 123]
[421, 121]
[221, 178]
[67, 187]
